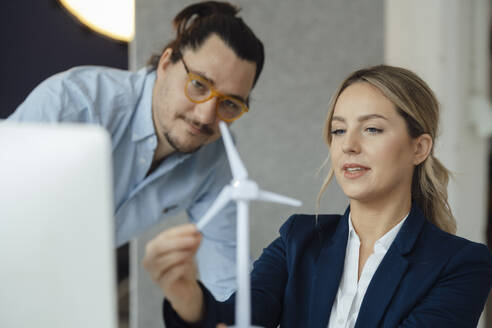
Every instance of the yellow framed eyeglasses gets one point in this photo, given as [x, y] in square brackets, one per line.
[198, 90]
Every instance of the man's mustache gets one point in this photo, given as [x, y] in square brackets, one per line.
[204, 128]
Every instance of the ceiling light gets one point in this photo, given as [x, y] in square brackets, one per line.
[112, 18]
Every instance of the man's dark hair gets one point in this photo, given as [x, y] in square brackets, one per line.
[195, 23]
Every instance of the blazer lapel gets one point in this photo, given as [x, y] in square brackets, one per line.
[387, 277]
[327, 274]
[381, 288]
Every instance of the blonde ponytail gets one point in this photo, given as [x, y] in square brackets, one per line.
[430, 192]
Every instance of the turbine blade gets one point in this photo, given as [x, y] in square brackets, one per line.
[268, 196]
[237, 167]
[222, 199]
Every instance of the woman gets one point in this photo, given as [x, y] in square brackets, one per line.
[391, 260]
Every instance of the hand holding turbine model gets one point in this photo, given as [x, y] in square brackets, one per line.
[242, 191]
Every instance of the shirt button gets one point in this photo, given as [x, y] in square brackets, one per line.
[135, 136]
[151, 143]
[341, 322]
[142, 161]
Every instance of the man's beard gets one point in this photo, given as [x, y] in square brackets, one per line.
[175, 145]
[173, 141]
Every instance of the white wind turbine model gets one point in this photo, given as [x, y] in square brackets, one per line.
[242, 191]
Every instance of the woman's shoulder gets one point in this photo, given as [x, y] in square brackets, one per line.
[443, 244]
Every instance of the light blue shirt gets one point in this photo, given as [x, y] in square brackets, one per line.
[121, 102]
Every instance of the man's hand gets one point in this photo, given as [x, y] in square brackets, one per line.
[169, 259]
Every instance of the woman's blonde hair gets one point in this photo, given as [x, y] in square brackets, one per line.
[417, 104]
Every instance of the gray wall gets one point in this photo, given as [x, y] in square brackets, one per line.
[310, 47]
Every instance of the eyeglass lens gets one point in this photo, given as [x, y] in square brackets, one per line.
[199, 90]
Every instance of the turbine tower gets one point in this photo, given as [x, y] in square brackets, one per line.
[241, 190]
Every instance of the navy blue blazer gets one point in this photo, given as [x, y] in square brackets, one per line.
[428, 278]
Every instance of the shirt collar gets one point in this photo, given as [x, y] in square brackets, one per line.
[383, 243]
[388, 238]
[143, 125]
[352, 232]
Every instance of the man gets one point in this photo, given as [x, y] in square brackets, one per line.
[163, 121]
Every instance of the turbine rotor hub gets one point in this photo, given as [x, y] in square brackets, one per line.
[244, 190]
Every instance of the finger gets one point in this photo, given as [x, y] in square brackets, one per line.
[180, 230]
[187, 230]
[169, 235]
[221, 325]
[156, 248]
[162, 264]
[173, 274]
[156, 264]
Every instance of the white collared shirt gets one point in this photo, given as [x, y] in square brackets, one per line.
[351, 292]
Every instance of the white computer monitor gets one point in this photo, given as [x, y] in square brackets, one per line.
[56, 227]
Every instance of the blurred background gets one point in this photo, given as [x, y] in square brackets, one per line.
[310, 47]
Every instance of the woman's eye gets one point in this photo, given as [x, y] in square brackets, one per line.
[337, 132]
[372, 130]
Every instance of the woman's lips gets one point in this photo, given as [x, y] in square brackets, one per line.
[354, 171]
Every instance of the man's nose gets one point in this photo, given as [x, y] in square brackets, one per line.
[205, 112]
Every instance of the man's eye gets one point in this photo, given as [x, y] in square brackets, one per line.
[337, 132]
[231, 104]
[197, 84]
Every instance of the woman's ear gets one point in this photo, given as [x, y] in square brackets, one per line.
[422, 148]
